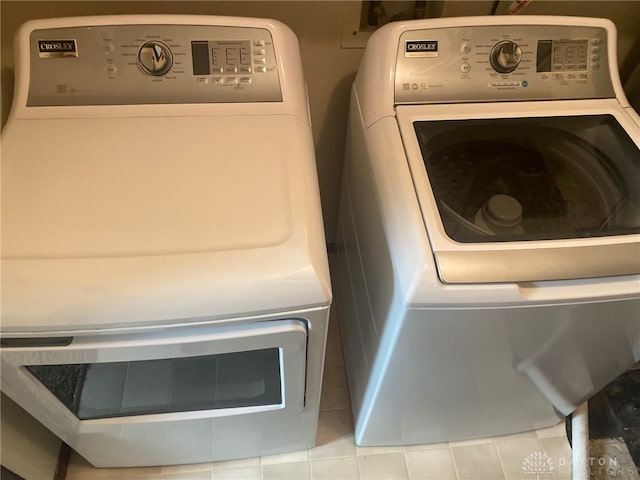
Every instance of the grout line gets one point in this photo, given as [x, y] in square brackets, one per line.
[453, 461]
[504, 474]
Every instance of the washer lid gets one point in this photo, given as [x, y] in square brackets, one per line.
[158, 218]
[529, 198]
[531, 179]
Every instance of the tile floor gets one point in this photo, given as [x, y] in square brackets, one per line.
[337, 457]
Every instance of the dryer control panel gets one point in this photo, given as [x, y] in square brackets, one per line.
[152, 64]
[493, 63]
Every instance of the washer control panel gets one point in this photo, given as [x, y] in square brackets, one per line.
[152, 64]
[490, 63]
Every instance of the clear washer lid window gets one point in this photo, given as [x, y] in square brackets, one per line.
[532, 178]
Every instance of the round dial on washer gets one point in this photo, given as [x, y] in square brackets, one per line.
[505, 56]
[155, 58]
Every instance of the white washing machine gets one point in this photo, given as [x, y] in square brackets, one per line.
[165, 288]
[489, 250]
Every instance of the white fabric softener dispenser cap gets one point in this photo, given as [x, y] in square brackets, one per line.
[500, 214]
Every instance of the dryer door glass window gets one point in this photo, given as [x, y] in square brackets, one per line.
[532, 178]
[117, 389]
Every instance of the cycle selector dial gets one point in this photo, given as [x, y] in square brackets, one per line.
[155, 58]
[505, 56]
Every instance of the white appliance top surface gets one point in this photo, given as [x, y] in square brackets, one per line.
[131, 220]
[102, 190]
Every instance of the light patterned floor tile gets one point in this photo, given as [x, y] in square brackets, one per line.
[146, 473]
[476, 462]
[559, 451]
[335, 392]
[335, 469]
[475, 441]
[389, 466]
[192, 475]
[515, 436]
[194, 467]
[236, 464]
[292, 457]
[335, 436]
[424, 446]
[240, 473]
[557, 430]
[435, 463]
[287, 471]
[377, 450]
[136, 473]
[515, 454]
[80, 469]
[334, 356]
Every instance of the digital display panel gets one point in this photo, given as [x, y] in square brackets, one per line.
[562, 55]
[221, 56]
[200, 57]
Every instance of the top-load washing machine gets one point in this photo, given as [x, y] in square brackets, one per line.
[489, 250]
[165, 286]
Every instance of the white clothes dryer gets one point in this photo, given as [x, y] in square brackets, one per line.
[489, 251]
[165, 286]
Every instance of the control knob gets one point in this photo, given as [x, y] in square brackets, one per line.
[155, 58]
[505, 56]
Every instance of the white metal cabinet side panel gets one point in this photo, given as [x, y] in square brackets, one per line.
[487, 372]
[385, 247]
[350, 314]
[358, 329]
[389, 181]
[461, 386]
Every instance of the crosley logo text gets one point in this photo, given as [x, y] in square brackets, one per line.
[421, 48]
[57, 48]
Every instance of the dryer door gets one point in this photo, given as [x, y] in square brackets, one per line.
[90, 383]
